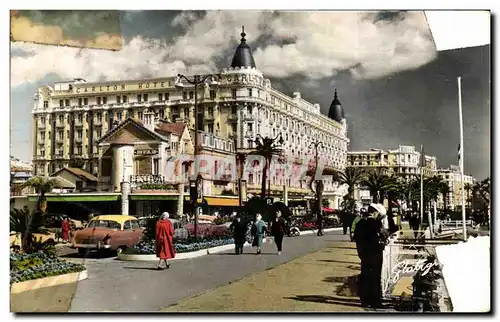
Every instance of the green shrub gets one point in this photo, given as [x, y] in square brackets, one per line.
[25, 267]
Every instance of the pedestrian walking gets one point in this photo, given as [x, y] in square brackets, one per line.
[65, 228]
[347, 218]
[370, 242]
[278, 230]
[258, 230]
[164, 240]
[239, 230]
[415, 224]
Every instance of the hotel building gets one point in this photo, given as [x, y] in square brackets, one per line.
[70, 120]
[404, 161]
[453, 179]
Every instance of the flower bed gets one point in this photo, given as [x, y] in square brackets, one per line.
[208, 230]
[25, 267]
[181, 245]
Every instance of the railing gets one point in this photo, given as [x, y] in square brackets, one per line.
[454, 224]
[396, 252]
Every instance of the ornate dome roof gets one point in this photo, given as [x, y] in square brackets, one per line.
[336, 111]
[243, 55]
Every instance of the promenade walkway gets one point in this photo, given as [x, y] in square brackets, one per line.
[322, 281]
[311, 275]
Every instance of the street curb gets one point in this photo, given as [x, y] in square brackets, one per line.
[315, 231]
[198, 253]
[202, 252]
[47, 281]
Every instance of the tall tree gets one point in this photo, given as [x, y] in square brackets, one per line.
[468, 190]
[267, 148]
[351, 177]
[409, 192]
[445, 191]
[42, 185]
[482, 189]
[378, 183]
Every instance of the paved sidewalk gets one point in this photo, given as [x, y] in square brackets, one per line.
[309, 283]
[137, 287]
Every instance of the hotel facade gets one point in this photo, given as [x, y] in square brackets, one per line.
[405, 161]
[73, 119]
[453, 179]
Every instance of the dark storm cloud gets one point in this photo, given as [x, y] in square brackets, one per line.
[154, 24]
[406, 108]
[417, 107]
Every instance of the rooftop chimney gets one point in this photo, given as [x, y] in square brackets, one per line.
[149, 121]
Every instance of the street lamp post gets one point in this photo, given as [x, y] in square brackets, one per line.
[197, 80]
[319, 187]
[267, 141]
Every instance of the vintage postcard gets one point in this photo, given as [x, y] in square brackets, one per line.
[250, 161]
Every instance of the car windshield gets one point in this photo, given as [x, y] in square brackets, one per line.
[104, 224]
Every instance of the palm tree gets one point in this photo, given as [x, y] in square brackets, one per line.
[409, 192]
[27, 223]
[268, 148]
[468, 189]
[378, 183]
[432, 188]
[482, 188]
[42, 185]
[351, 177]
[445, 191]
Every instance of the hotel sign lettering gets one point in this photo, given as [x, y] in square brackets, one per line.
[244, 79]
[146, 152]
[121, 87]
[148, 178]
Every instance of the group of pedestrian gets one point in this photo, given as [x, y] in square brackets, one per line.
[258, 231]
[370, 232]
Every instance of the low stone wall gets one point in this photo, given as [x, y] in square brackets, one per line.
[48, 281]
[198, 253]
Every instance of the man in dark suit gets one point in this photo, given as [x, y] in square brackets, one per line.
[370, 237]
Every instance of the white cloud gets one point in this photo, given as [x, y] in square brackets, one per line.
[324, 43]
[327, 42]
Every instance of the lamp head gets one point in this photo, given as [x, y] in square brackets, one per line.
[178, 82]
[214, 81]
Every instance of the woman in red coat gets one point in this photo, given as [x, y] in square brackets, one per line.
[164, 240]
[65, 228]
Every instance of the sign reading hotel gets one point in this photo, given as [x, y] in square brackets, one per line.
[159, 84]
[127, 87]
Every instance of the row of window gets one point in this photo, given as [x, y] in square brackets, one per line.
[102, 100]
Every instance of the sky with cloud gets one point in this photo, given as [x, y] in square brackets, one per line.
[395, 87]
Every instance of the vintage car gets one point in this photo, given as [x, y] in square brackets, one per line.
[179, 231]
[108, 232]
